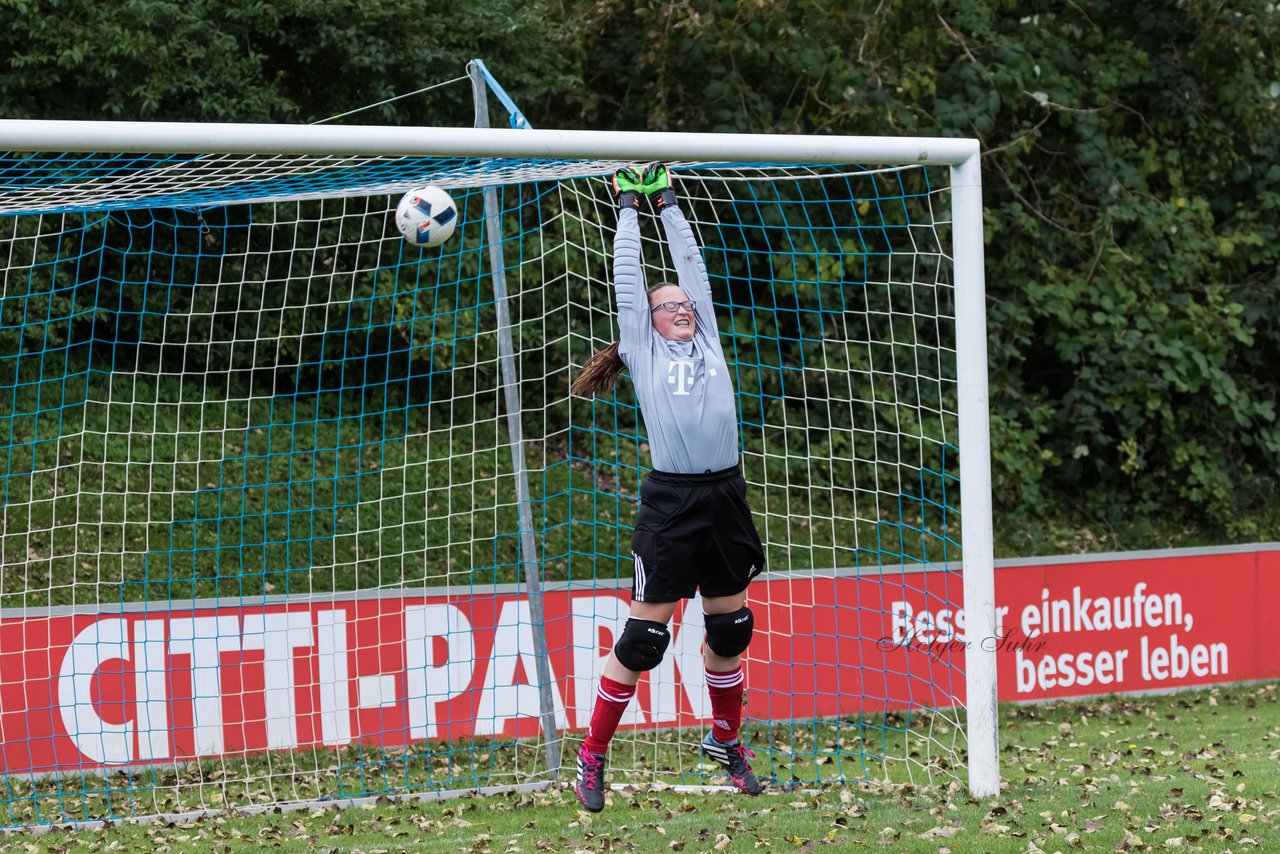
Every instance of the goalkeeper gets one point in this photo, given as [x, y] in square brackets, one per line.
[694, 529]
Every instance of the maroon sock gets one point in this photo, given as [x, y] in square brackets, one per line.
[726, 689]
[611, 701]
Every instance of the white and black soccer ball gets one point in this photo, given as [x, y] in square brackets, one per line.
[426, 217]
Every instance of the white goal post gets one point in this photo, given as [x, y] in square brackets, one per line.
[588, 155]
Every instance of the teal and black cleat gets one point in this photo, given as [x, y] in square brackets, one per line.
[589, 785]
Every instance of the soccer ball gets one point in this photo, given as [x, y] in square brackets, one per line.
[426, 217]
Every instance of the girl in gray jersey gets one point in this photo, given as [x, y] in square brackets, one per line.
[694, 531]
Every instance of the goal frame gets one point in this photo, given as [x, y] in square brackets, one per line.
[961, 155]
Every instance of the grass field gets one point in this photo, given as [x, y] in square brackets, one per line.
[118, 487]
[114, 490]
[1195, 771]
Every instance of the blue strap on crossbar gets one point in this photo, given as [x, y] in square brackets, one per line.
[516, 118]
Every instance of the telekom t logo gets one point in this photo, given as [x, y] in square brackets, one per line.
[680, 375]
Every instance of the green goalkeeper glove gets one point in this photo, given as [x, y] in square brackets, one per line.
[656, 184]
[627, 188]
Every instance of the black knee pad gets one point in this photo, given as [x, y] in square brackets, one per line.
[730, 634]
[642, 644]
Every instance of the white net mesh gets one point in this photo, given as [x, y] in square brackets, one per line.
[261, 529]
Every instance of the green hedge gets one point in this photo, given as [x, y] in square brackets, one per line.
[1131, 165]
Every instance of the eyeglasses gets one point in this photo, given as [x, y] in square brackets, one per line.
[673, 306]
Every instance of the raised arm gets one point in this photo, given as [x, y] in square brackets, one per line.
[628, 273]
[691, 271]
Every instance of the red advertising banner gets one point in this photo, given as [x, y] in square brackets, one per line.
[100, 690]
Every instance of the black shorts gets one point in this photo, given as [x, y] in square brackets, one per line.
[694, 531]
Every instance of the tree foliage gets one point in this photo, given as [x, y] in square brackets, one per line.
[1131, 189]
[280, 61]
[1131, 165]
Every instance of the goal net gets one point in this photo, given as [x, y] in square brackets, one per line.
[294, 511]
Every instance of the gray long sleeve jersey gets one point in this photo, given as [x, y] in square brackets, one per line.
[684, 388]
